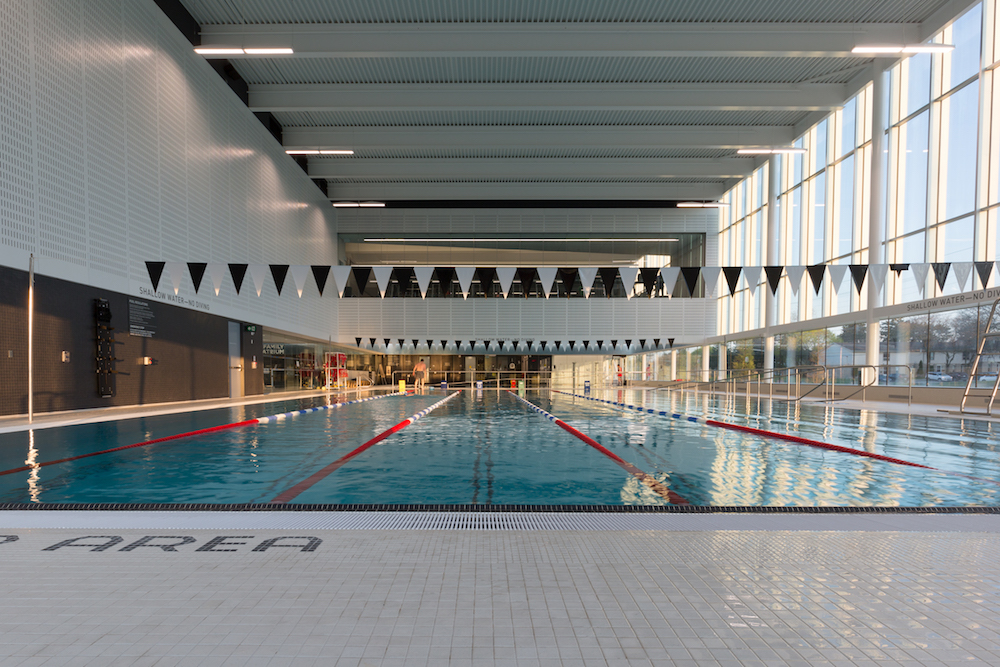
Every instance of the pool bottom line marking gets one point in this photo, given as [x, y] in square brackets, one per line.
[647, 479]
[249, 422]
[319, 475]
[755, 431]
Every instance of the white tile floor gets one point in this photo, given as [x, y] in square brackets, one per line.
[507, 597]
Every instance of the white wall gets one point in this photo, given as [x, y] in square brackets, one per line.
[121, 145]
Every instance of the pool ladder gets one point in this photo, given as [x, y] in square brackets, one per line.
[985, 336]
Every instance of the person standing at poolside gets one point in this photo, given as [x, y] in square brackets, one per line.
[419, 370]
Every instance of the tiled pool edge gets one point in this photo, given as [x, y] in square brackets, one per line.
[575, 509]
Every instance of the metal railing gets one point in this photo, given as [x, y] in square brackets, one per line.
[730, 378]
[490, 379]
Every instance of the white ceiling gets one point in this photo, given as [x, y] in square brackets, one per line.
[568, 99]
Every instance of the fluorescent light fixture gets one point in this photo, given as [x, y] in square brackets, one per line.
[769, 151]
[877, 48]
[929, 48]
[316, 151]
[372, 204]
[701, 204]
[503, 240]
[358, 204]
[301, 151]
[337, 152]
[218, 51]
[279, 51]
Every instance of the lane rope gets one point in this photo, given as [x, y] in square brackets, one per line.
[647, 479]
[317, 476]
[749, 429]
[213, 429]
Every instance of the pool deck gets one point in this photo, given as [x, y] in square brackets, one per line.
[92, 588]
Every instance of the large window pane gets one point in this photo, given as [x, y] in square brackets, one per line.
[845, 206]
[958, 149]
[819, 148]
[955, 241]
[905, 343]
[817, 246]
[795, 245]
[952, 342]
[848, 126]
[912, 186]
[966, 36]
[918, 83]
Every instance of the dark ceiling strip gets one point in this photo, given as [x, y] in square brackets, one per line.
[534, 203]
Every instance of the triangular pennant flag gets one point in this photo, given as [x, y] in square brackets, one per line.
[773, 274]
[752, 275]
[465, 276]
[628, 344]
[197, 271]
[387, 341]
[837, 273]
[962, 271]
[444, 344]
[568, 278]
[423, 274]
[372, 341]
[690, 275]
[671, 341]
[257, 274]
[299, 274]
[429, 344]
[572, 344]
[505, 274]
[400, 341]
[547, 276]
[670, 275]
[527, 279]
[321, 273]
[414, 341]
[587, 275]
[858, 273]
[176, 271]
[941, 270]
[878, 273]
[544, 343]
[361, 277]
[899, 268]
[648, 278]
[238, 272]
[795, 274]
[614, 344]
[341, 274]
[279, 272]
[732, 274]
[983, 270]
[608, 276]
[357, 340]
[486, 277]
[656, 343]
[816, 273]
[383, 274]
[628, 274]
[217, 272]
[155, 270]
[642, 343]
[586, 344]
[600, 344]
[919, 273]
[710, 277]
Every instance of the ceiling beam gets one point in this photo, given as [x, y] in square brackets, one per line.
[538, 97]
[450, 40]
[528, 168]
[509, 191]
[537, 137]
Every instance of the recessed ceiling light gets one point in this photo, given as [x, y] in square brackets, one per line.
[356, 204]
[218, 51]
[372, 204]
[492, 240]
[281, 51]
[878, 49]
[299, 151]
[337, 152]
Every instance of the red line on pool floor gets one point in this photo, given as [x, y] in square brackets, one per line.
[124, 447]
[320, 474]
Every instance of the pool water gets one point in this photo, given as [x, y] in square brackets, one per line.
[487, 447]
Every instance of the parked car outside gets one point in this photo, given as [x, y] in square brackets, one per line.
[988, 378]
[939, 377]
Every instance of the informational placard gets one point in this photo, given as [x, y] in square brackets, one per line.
[141, 319]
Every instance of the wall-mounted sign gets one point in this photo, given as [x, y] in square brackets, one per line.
[141, 319]
[277, 349]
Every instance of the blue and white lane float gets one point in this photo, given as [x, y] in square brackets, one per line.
[295, 413]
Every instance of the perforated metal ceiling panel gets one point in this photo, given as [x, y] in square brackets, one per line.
[518, 11]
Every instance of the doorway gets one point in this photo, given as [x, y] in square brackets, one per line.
[235, 360]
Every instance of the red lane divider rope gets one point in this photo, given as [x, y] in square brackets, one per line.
[250, 422]
[647, 479]
[308, 482]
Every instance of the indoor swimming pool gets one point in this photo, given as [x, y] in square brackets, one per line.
[491, 447]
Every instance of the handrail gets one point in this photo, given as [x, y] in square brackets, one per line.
[975, 365]
[462, 377]
[759, 374]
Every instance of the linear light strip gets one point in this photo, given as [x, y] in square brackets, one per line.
[536, 240]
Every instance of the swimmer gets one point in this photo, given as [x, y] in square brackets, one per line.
[418, 374]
